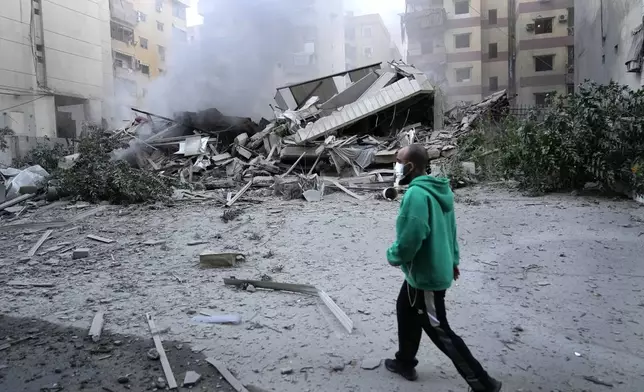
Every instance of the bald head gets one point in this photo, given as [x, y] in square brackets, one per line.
[414, 158]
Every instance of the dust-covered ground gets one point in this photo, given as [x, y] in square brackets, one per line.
[550, 297]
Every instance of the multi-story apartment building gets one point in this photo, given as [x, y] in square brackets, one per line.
[367, 41]
[471, 48]
[609, 41]
[544, 47]
[142, 33]
[54, 65]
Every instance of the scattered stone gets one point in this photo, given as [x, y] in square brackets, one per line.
[58, 371]
[250, 288]
[337, 366]
[160, 383]
[80, 253]
[123, 380]
[190, 312]
[117, 343]
[153, 354]
[191, 378]
[371, 363]
[286, 371]
[517, 329]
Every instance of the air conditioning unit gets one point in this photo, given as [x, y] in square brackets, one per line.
[529, 27]
[563, 18]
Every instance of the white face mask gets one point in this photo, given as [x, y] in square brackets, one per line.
[399, 169]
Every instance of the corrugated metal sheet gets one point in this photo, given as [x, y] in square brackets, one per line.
[393, 94]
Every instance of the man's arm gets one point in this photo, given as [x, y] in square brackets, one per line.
[412, 227]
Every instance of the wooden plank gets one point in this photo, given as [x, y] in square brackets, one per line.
[17, 283]
[169, 376]
[223, 370]
[345, 190]
[97, 326]
[296, 288]
[337, 312]
[240, 193]
[295, 164]
[16, 200]
[100, 239]
[38, 244]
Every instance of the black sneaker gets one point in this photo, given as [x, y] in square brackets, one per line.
[496, 386]
[394, 366]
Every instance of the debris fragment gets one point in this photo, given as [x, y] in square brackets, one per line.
[80, 253]
[100, 239]
[286, 371]
[38, 244]
[153, 354]
[219, 319]
[97, 327]
[191, 378]
[371, 363]
[597, 381]
[213, 259]
[225, 373]
[172, 383]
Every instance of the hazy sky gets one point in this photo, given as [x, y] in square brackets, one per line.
[388, 9]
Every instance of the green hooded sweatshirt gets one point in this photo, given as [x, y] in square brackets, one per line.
[426, 247]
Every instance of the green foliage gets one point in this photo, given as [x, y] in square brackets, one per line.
[95, 176]
[44, 154]
[6, 131]
[596, 135]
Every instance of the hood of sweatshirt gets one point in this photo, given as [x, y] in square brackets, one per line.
[437, 187]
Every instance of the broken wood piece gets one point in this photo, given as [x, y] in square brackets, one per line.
[97, 327]
[38, 244]
[29, 284]
[240, 193]
[100, 239]
[167, 370]
[345, 190]
[225, 373]
[337, 312]
[16, 200]
[215, 259]
[33, 226]
[295, 288]
[314, 164]
[295, 164]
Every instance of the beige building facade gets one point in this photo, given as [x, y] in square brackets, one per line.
[471, 48]
[367, 41]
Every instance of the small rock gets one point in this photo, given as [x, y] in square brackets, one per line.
[153, 354]
[191, 378]
[80, 253]
[337, 366]
[191, 312]
[286, 370]
[58, 371]
[123, 380]
[251, 288]
[518, 328]
[117, 343]
[371, 363]
[160, 383]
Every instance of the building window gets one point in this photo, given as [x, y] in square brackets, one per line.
[570, 89]
[122, 60]
[368, 52]
[159, 5]
[541, 99]
[462, 40]
[461, 7]
[159, 26]
[350, 33]
[144, 42]
[366, 32]
[494, 83]
[141, 17]
[162, 53]
[544, 63]
[145, 69]
[179, 34]
[427, 47]
[463, 74]
[493, 50]
[121, 33]
[543, 26]
[492, 17]
[178, 10]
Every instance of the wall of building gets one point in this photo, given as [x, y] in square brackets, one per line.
[530, 44]
[369, 40]
[603, 60]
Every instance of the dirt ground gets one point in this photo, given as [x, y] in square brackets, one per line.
[550, 297]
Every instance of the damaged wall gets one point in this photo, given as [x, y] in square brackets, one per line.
[605, 61]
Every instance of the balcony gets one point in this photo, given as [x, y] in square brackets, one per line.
[123, 12]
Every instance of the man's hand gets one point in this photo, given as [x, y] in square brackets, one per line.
[457, 273]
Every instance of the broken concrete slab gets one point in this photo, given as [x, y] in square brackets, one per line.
[191, 378]
[312, 195]
[100, 239]
[80, 253]
[371, 363]
[210, 259]
[97, 327]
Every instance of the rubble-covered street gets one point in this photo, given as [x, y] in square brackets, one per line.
[550, 296]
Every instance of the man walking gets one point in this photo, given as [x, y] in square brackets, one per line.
[426, 250]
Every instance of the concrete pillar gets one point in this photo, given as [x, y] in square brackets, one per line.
[45, 117]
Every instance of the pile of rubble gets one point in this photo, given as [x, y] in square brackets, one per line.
[321, 134]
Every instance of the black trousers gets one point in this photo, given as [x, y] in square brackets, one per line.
[420, 310]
